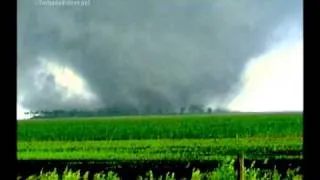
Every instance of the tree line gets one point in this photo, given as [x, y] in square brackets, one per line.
[113, 111]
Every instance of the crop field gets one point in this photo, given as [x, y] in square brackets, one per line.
[162, 127]
[213, 137]
[156, 137]
[192, 149]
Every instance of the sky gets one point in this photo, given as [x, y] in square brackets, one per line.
[240, 55]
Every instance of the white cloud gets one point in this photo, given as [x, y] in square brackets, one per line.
[274, 81]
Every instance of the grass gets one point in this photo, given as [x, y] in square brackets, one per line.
[162, 149]
[225, 171]
[162, 127]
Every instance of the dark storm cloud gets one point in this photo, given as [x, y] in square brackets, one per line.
[164, 54]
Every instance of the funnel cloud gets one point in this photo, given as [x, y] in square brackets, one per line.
[146, 55]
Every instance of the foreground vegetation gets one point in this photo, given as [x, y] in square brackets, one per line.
[225, 171]
[162, 127]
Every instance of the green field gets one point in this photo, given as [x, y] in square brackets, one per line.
[188, 137]
[205, 149]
